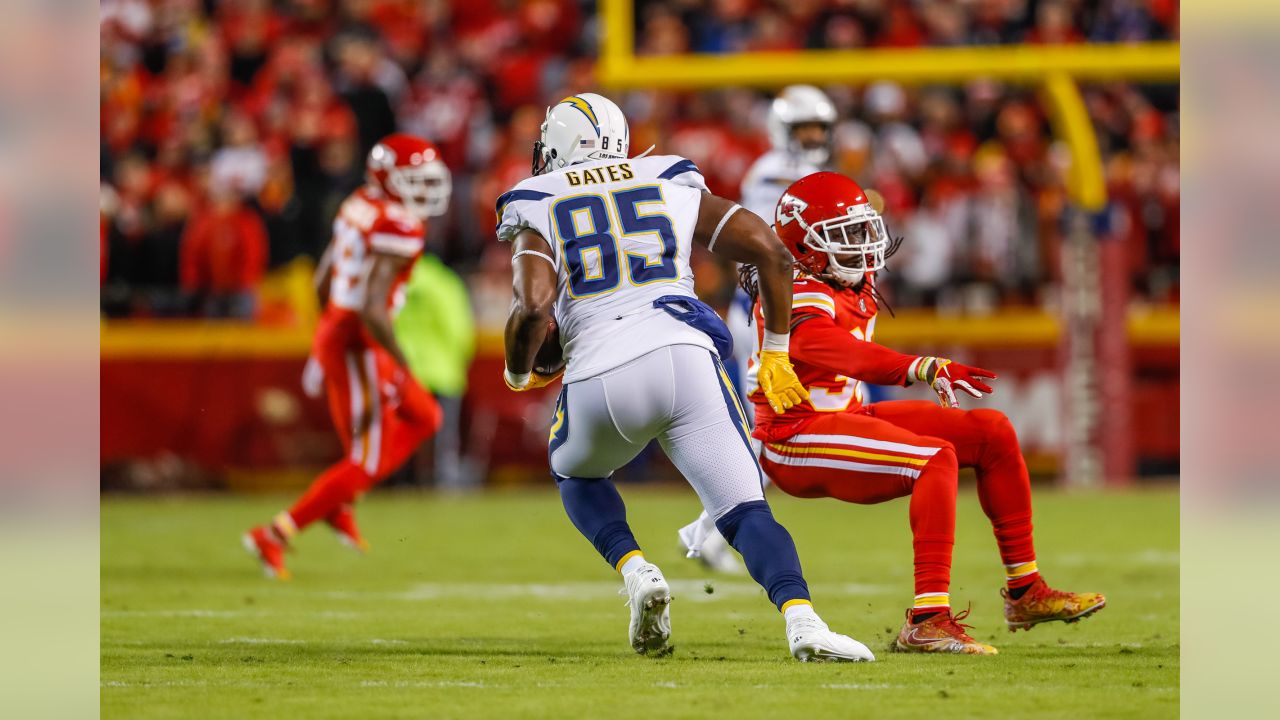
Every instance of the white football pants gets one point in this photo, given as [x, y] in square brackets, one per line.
[678, 394]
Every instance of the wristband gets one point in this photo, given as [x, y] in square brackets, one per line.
[913, 370]
[776, 342]
[924, 368]
[516, 382]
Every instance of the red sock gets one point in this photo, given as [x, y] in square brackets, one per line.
[933, 529]
[1004, 488]
[335, 487]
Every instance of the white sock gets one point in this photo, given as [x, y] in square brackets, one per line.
[632, 564]
[799, 610]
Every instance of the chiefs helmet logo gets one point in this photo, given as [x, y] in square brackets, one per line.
[788, 207]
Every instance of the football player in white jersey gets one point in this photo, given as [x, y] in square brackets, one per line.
[800, 124]
[601, 250]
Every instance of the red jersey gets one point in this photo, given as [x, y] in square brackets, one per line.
[832, 351]
[368, 224]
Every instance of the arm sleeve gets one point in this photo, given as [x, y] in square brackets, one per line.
[817, 340]
[518, 209]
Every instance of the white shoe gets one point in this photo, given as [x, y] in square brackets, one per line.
[812, 641]
[704, 542]
[649, 597]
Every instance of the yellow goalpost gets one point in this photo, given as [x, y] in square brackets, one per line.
[1055, 71]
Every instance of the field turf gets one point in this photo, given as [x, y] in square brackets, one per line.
[494, 606]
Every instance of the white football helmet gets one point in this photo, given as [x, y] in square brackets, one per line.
[580, 128]
[801, 104]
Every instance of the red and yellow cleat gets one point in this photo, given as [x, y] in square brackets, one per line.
[1042, 603]
[343, 522]
[263, 543]
[942, 633]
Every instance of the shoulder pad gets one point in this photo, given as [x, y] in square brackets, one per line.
[814, 295]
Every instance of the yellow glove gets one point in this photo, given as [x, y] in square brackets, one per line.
[530, 380]
[779, 382]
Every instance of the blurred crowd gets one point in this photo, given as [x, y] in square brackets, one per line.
[231, 129]
[670, 26]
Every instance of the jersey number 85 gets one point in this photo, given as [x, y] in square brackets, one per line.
[591, 249]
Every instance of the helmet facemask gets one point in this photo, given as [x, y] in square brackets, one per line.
[423, 189]
[817, 156]
[542, 157]
[855, 243]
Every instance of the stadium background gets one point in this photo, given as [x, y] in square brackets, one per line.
[231, 129]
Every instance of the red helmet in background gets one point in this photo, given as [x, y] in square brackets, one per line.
[828, 224]
[409, 170]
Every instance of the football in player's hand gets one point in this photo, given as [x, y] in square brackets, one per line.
[550, 357]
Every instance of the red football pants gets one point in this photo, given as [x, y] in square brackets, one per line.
[891, 449]
[381, 423]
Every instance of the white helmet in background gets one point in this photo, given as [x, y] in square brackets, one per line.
[578, 129]
[801, 104]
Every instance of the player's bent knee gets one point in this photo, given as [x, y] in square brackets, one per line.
[945, 463]
[995, 426]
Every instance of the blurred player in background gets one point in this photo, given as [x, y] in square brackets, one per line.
[800, 126]
[831, 445]
[604, 241]
[436, 330]
[381, 413]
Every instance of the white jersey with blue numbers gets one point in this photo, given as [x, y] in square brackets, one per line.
[620, 232]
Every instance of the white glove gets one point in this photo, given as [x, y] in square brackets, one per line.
[312, 378]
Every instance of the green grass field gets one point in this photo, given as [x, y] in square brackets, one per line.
[493, 606]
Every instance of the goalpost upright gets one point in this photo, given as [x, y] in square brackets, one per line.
[1093, 319]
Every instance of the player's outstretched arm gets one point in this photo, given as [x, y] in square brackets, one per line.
[726, 229]
[533, 286]
[376, 312]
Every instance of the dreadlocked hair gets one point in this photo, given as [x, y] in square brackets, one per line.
[749, 281]
[879, 300]
[894, 244]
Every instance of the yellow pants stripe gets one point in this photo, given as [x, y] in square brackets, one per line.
[804, 450]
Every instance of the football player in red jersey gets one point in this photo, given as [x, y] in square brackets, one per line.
[381, 413]
[834, 446]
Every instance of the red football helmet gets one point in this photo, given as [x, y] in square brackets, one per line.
[827, 223]
[408, 169]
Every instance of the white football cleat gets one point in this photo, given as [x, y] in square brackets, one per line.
[649, 597]
[812, 641]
